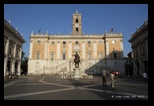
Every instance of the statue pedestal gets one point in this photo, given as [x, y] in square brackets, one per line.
[77, 73]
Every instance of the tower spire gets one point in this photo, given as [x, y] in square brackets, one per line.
[76, 11]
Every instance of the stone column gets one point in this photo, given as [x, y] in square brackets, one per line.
[13, 61]
[139, 56]
[83, 50]
[11, 57]
[134, 49]
[31, 49]
[45, 50]
[5, 44]
[5, 41]
[94, 50]
[107, 49]
[146, 45]
[30, 56]
[6, 58]
[58, 50]
[122, 49]
[19, 62]
[69, 50]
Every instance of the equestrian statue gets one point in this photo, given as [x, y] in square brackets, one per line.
[76, 60]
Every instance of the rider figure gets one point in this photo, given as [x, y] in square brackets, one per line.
[77, 60]
[77, 56]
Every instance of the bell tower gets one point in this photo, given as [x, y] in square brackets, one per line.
[76, 24]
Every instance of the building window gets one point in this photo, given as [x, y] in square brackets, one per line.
[76, 42]
[64, 42]
[52, 56]
[52, 42]
[89, 56]
[115, 55]
[89, 42]
[100, 55]
[38, 42]
[64, 56]
[77, 30]
[100, 42]
[76, 20]
[37, 55]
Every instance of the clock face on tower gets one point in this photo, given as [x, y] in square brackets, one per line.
[77, 25]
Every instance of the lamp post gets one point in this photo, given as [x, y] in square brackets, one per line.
[70, 66]
[44, 70]
[104, 38]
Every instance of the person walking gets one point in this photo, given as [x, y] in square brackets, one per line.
[104, 78]
[112, 78]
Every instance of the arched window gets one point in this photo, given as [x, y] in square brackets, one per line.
[52, 55]
[115, 55]
[77, 30]
[64, 56]
[37, 55]
[100, 55]
[76, 20]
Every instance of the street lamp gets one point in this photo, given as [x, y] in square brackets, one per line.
[70, 66]
[44, 70]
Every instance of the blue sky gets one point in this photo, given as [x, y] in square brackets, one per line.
[96, 18]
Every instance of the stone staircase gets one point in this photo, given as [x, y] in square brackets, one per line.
[64, 66]
[53, 69]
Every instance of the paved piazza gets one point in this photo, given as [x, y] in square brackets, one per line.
[53, 87]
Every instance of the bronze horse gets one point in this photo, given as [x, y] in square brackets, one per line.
[76, 60]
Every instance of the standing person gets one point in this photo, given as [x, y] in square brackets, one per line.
[112, 78]
[145, 76]
[104, 77]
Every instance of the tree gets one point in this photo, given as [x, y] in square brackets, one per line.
[22, 55]
[24, 64]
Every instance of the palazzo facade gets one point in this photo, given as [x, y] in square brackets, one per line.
[51, 53]
[139, 44]
[13, 42]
